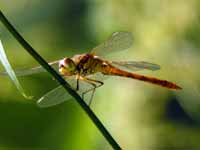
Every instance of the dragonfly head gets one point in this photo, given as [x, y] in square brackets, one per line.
[67, 67]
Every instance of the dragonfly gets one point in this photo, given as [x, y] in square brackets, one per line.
[85, 72]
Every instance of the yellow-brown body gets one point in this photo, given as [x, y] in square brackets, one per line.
[87, 64]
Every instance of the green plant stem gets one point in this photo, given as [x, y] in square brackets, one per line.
[44, 64]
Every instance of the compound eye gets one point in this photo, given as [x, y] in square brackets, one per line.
[62, 63]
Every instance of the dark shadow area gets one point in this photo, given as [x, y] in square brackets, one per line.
[175, 113]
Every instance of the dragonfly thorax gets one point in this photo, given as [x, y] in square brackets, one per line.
[67, 67]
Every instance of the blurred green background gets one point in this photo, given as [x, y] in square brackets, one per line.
[138, 115]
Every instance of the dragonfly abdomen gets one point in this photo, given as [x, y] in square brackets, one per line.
[110, 70]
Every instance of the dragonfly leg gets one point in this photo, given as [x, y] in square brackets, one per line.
[77, 84]
[90, 90]
[77, 81]
[94, 84]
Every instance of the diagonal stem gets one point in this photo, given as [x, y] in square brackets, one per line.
[44, 64]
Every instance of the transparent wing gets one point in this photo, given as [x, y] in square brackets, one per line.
[116, 42]
[30, 71]
[98, 76]
[60, 95]
[54, 97]
[135, 65]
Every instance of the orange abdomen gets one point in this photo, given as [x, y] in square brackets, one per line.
[110, 70]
